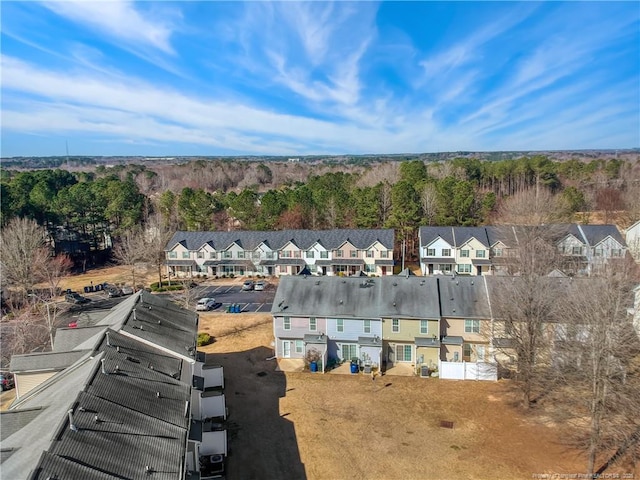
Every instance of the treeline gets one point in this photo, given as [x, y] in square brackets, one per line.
[225, 195]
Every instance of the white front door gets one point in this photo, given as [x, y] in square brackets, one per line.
[286, 349]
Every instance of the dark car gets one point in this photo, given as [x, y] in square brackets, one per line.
[75, 297]
[6, 379]
[248, 285]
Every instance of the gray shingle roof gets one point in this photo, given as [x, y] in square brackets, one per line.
[357, 297]
[464, 297]
[594, 234]
[12, 421]
[429, 234]
[463, 234]
[275, 240]
[45, 361]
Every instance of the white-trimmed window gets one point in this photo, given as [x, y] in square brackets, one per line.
[310, 254]
[446, 252]
[227, 254]
[464, 253]
[241, 254]
[472, 326]
[463, 268]
[424, 327]
[285, 254]
[576, 250]
[480, 253]
[185, 255]
[497, 252]
[299, 346]
[340, 325]
[616, 252]
[200, 254]
[395, 325]
[354, 254]
[313, 324]
[445, 267]
[286, 323]
[297, 254]
[173, 254]
[384, 254]
[367, 326]
[324, 254]
[403, 353]
[369, 253]
[270, 255]
[213, 255]
[431, 252]
[339, 253]
[597, 252]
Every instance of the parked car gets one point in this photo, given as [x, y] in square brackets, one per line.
[206, 304]
[248, 285]
[114, 291]
[127, 290]
[259, 286]
[75, 297]
[7, 381]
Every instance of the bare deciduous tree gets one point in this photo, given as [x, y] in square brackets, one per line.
[130, 249]
[54, 270]
[598, 352]
[24, 253]
[429, 202]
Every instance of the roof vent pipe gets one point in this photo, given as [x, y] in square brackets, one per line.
[72, 425]
[108, 342]
[103, 369]
[134, 314]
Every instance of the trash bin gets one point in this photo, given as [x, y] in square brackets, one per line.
[237, 308]
[228, 309]
[355, 368]
[313, 366]
[86, 289]
[90, 287]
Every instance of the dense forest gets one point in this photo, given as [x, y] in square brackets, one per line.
[227, 195]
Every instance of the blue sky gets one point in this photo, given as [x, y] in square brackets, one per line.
[257, 78]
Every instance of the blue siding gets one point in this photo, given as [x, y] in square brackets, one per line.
[353, 328]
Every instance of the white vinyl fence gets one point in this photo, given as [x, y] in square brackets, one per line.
[468, 371]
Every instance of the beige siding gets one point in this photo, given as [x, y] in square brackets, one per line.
[455, 327]
[26, 382]
[409, 330]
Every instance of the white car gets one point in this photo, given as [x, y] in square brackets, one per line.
[259, 286]
[205, 304]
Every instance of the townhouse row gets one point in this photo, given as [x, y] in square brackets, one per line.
[385, 322]
[490, 250]
[288, 252]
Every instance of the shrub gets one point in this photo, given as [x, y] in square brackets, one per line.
[204, 339]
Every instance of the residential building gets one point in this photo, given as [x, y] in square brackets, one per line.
[288, 252]
[492, 250]
[130, 398]
[632, 238]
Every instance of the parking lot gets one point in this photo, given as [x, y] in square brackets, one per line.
[248, 301]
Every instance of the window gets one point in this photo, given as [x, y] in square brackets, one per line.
[227, 254]
[310, 254]
[464, 253]
[616, 252]
[173, 254]
[472, 326]
[297, 254]
[241, 254]
[367, 326]
[185, 255]
[212, 255]
[299, 346]
[403, 353]
[446, 252]
[286, 323]
[313, 324]
[395, 325]
[445, 267]
[369, 268]
[597, 252]
[349, 351]
[270, 255]
[424, 327]
[497, 252]
[369, 253]
[384, 254]
[324, 254]
[256, 255]
[466, 352]
[463, 268]
[354, 254]
[285, 254]
[480, 253]
[339, 253]
[200, 254]
[576, 251]
[340, 325]
[431, 252]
